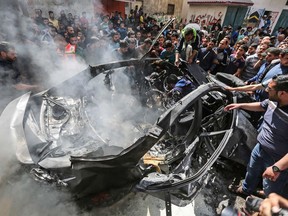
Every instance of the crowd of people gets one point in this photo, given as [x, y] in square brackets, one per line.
[105, 38]
[251, 54]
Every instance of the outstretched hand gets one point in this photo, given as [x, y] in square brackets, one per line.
[228, 88]
[232, 106]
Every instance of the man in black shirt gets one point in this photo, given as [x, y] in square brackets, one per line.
[10, 77]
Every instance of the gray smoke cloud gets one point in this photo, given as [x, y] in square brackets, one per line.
[19, 193]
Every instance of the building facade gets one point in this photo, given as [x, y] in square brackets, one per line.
[236, 12]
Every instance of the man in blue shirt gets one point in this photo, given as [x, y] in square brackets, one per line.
[281, 68]
[179, 87]
[169, 52]
[272, 140]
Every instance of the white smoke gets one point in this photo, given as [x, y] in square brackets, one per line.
[19, 193]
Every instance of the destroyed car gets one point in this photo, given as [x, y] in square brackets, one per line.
[108, 128]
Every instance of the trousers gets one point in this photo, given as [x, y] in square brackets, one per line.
[259, 161]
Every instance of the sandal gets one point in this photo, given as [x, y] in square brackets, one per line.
[238, 190]
[260, 193]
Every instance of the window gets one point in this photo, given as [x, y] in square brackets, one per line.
[170, 9]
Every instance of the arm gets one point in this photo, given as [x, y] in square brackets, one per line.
[245, 88]
[258, 64]
[192, 56]
[214, 64]
[272, 204]
[238, 72]
[240, 68]
[246, 106]
[282, 164]
[177, 57]
[26, 87]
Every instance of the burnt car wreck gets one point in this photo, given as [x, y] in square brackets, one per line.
[58, 134]
[106, 129]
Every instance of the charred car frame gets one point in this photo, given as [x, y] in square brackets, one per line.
[64, 139]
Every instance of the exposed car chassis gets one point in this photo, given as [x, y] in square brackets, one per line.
[55, 135]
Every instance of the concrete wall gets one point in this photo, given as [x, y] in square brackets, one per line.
[75, 7]
[156, 6]
[185, 9]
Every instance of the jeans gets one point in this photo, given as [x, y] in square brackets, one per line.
[259, 161]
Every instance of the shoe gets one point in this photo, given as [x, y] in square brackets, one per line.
[238, 190]
[260, 194]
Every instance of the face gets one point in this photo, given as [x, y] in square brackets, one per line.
[124, 50]
[204, 42]
[246, 39]
[53, 32]
[237, 46]
[70, 30]
[188, 37]
[147, 45]
[284, 60]
[169, 49]
[45, 21]
[240, 52]
[261, 49]
[116, 37]
[174, 39]
[161, 40]
[73, 40]
[210, 45]
[51, 15]
[273, 94]
[222, 44]
[270, 57]
[132, 45]
[80, 34]
[11, 55]
[251, 50]
[138, 35]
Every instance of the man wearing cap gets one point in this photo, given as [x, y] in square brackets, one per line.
[188, 46]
